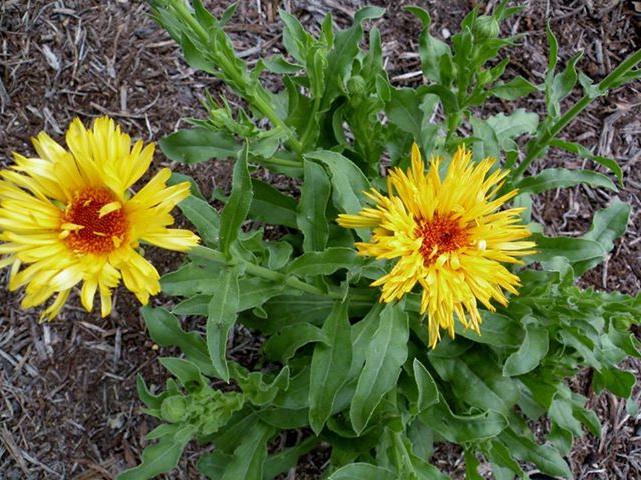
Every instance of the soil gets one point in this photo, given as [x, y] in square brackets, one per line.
[68, 406]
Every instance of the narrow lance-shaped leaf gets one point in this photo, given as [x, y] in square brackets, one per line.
[552, 178]
[250, 455]
[156, 459]
[330, 366]
[222, 313]
[311, 218]
[238, 205]
[199, 145]
[324, 263]
[386, 353]
[165, 330]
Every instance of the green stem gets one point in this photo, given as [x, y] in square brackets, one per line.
[540, 144]
[259, 100]
[267, 274]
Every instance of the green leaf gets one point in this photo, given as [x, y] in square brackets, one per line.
[560, 412]
[404, 112]
[311, 218]
[250, 455]
[254, 387]
[190, 279]
[551, 178]
[463, 428]
[574, 249]
[508, 127]
[496, 330]
[431, 49]
[533, 349]
[222, 312]
[281, 462]
[165, 330]
[203, 216]
[467, 385]
[362, 471]
[283, 345]
[348, 181]
[607, 225]
[546, 458]
[199, 145]
[330, 366]
[427, 389]
[186, 372]
[579, 149]
[615, 380]
[386, 353]
[324, 263]
[157, 459]
[516, 88]
[271, 206]
[238, 205]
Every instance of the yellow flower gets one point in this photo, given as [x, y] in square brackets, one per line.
[68, 217]
[449, 237]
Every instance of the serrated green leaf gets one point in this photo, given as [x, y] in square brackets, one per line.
[330, 366]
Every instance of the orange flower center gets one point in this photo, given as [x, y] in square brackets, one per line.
[94, 222]
[441, 234]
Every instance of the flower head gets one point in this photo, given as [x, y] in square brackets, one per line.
[69, 218]
[449, 237]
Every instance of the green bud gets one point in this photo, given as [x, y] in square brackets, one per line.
[356, 86]
[486, 27]
[173, 409]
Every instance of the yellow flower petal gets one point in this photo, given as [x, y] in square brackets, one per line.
[66, 218]
[449, 238]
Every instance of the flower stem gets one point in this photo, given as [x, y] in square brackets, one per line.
[267, 274]
[540, 144]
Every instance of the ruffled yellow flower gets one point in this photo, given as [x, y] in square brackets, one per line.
[68, 217]
[449, 238]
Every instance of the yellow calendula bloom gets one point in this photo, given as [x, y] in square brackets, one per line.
[69, 218]
[449, 237]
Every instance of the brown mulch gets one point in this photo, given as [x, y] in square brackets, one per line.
[68, 407]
